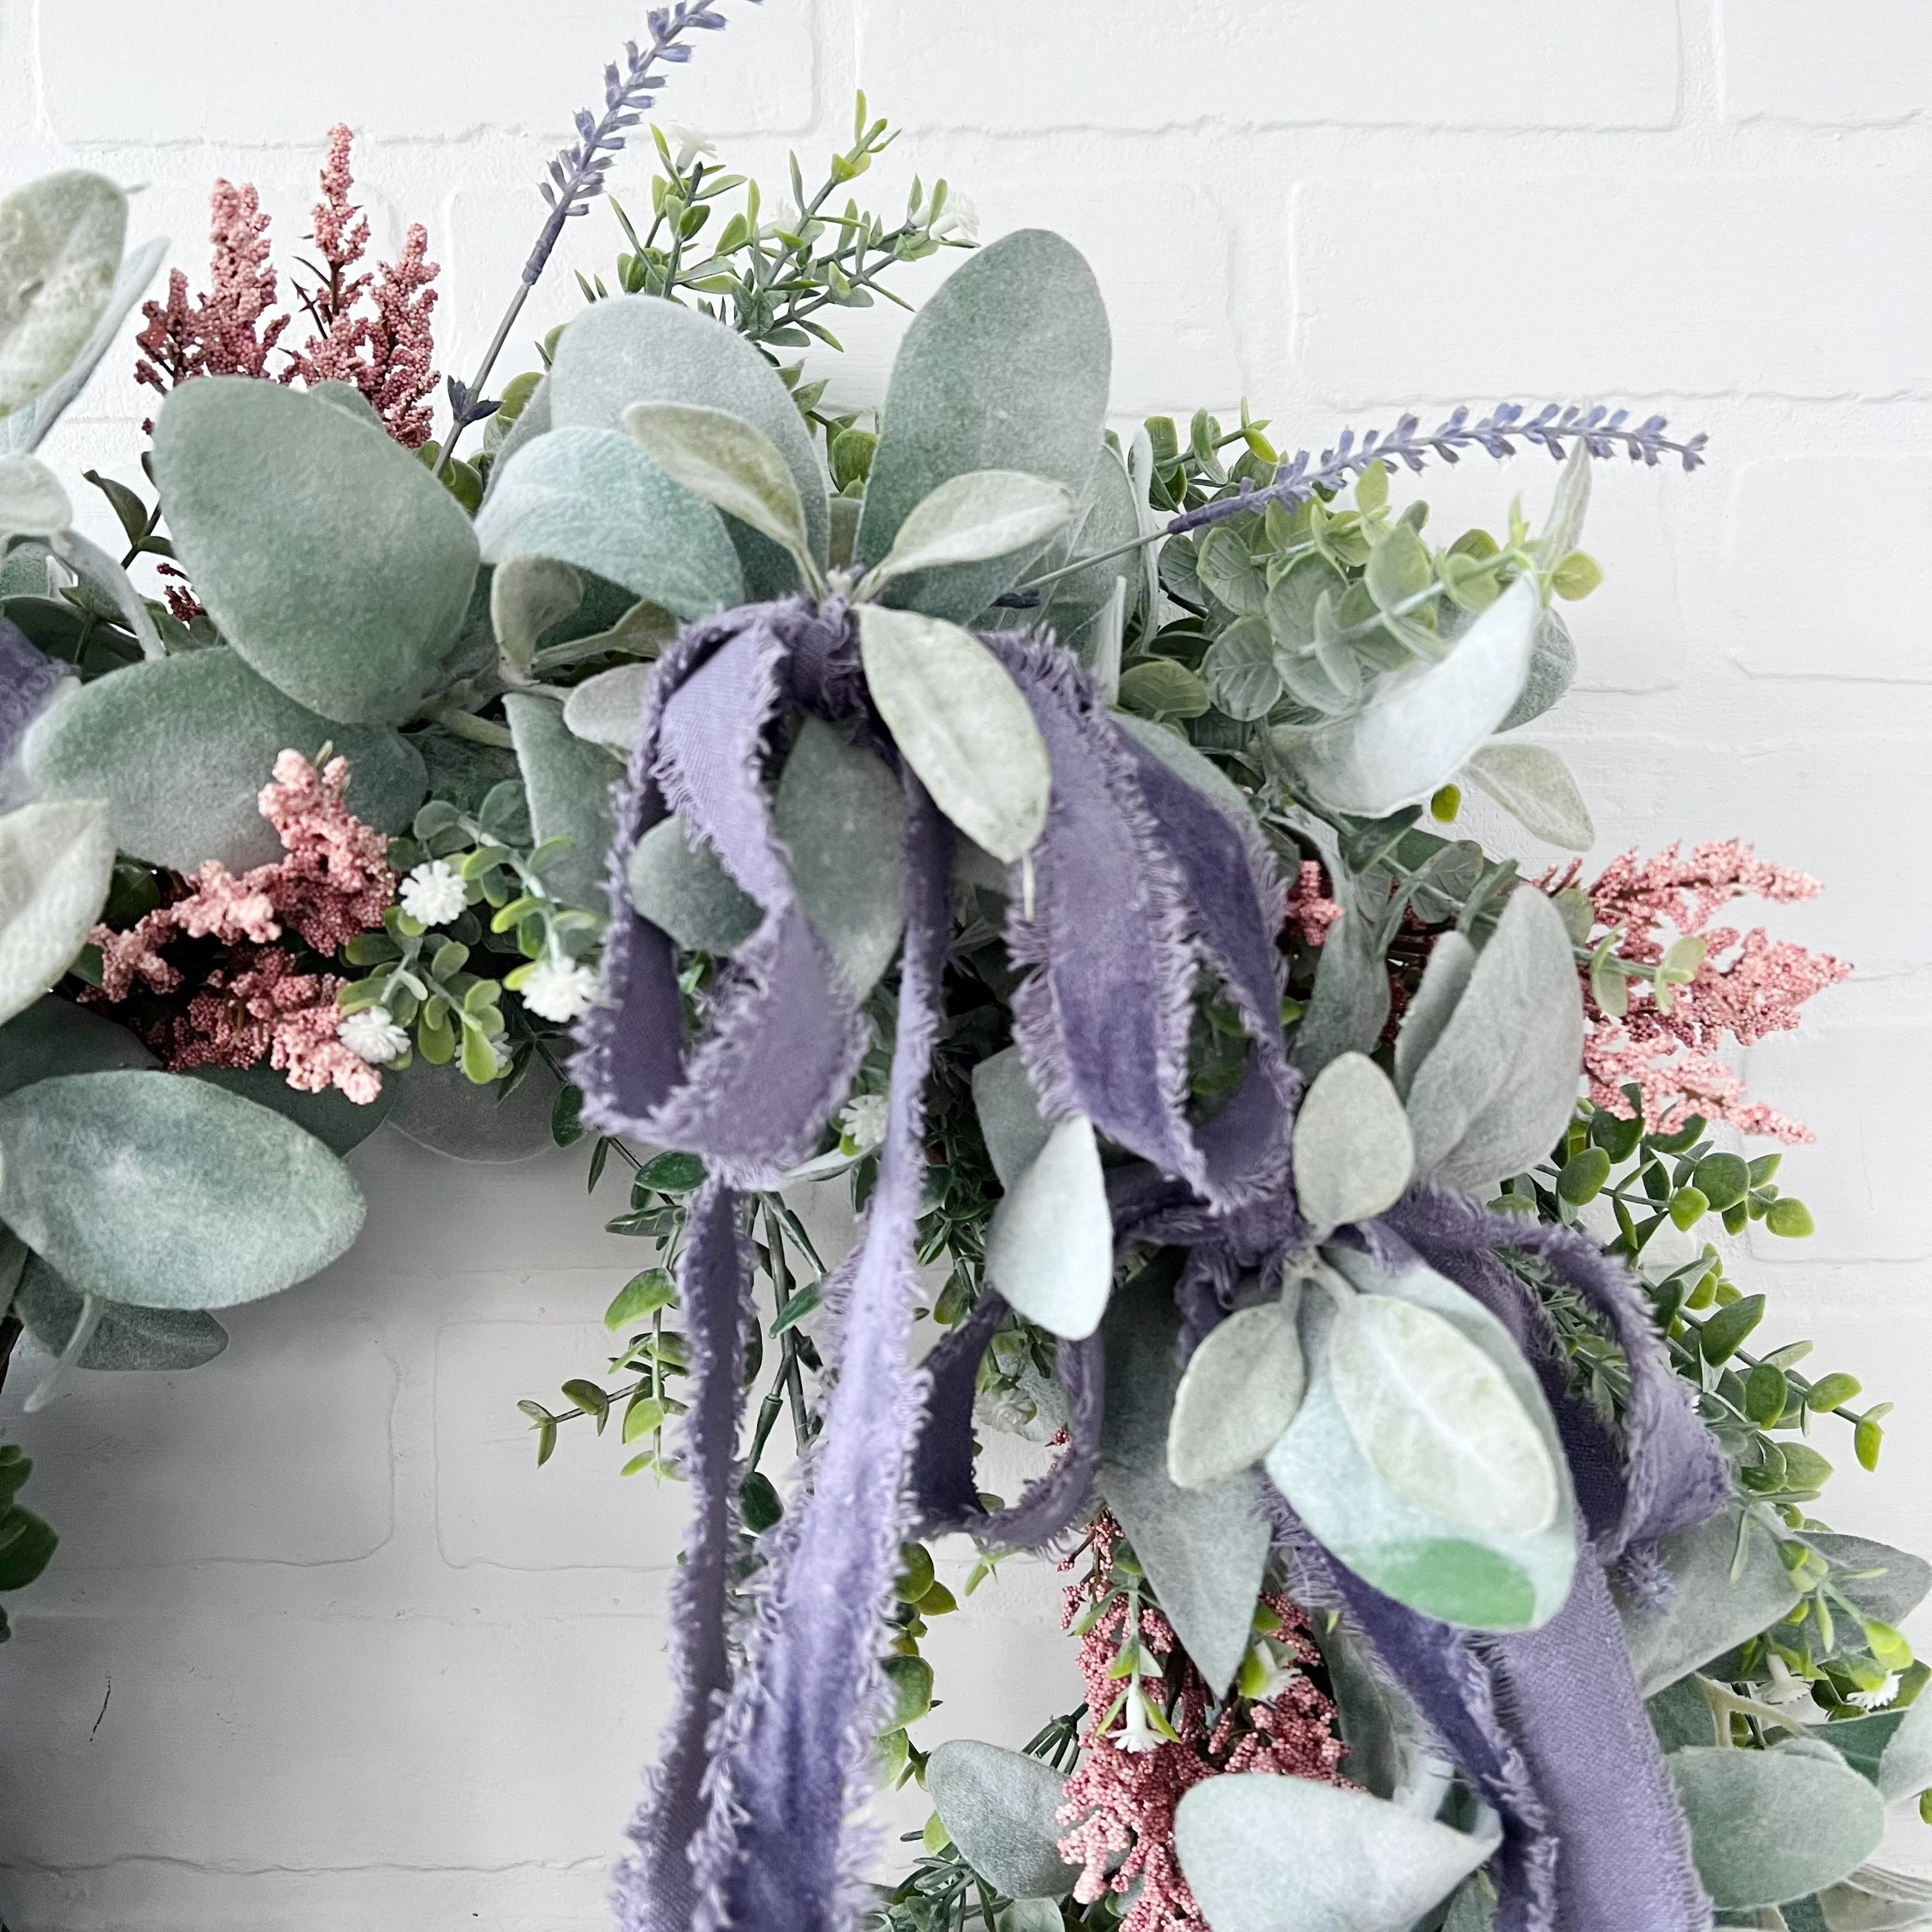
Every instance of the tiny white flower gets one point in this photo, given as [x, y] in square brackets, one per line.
[784, 220]
[1876, 1700]
[1139, 1735]
[862, 1122]
[373, 1035]
[558, 990]
[687, 144]
[958, 216]
[433, 893]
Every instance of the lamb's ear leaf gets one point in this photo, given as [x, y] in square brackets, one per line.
[1905, 1766]
[1770, 1826]
[1050, 1249]
[841, 816]
[608, 710]
[56, 863]
[1353, 1154]
[569, 783]
[328, 556]
[163, 1192]
[527, 595]
[1499, 1084]
[54, 1036]
[1010, 1121]
[181, 747]
[1351, 1002]
[1203, 1550]
[124, 1338]
[972, 518]
[338, 1122]
[1185, 762]
[960, 722]
[439, 1109]
[1552, 669]
[1535, 788]
[1871, 1899]
[33, 503]
[684, 890]
[997, 1807]
[1444, 979]
[1241, 1389]
[592, 498]
[61, 238]
[1885, 1583]
[1006, 368]
[1261, 1852]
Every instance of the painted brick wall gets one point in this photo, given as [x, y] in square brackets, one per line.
[367, 1666]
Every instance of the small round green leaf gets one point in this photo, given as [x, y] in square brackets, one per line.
[56, 863]
[1535, 787]
[1050, 1249]
[1353, 1153]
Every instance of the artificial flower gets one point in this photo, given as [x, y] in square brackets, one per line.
[862, 1123]
[373, 1036]
[558, 990]
[433, 893]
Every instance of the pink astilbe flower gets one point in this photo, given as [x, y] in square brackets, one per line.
[1747, 986]
[269, 1010]
[1310, 912]
[1122, 1800]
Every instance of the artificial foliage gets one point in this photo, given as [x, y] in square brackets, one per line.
[1053, 837]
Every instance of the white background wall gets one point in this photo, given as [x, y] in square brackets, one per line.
[368, 1667]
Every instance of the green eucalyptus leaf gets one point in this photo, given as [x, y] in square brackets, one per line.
[1032, 1915]
[181, 747]
[527, 595]
[1050, 1245]
[1564, 526]
[1499, 1084]
[592, 498]
[608, 710]
[1535, 787]
[124, 1337]
[997, 1807]
[1263, 1854]
[1353, 1154]
[1240, 671]
[1186, 762]
[440, 1108]
[841, 815]
[685, 891]
[1242, 1387]
[961, 724]
[1444, 980]
[60, 246]
[1159, 688]
[54, 1036]
[972, 518]
[1770, 1825]
[1010, 1121]
[1006, 368]
[56, 863]
[1905, 1766]
[170, 1193]
[1885, 1583]
[1203, 1550]
[568, 782]
[338, 1122]
[328, 556]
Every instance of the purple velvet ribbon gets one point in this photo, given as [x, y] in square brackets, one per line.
[28, 679]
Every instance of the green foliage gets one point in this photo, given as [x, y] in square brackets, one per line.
[60, 246]
[1050, 1246]
[27, 1544]
[56, 863]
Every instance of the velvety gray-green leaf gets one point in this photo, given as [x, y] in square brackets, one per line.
[1552, 669]
[1242, 1387]
[61, 238]
[1444, 980]
[437, 1108]
[608, 710]
[1010, 1121]
[686, 891]
[527, 595]
[1500, 1083]
[328, 557]
[1905, 1767]
[181, 748]
[1353, 1155]
[1050, 1246]
[124, 1337]
[568, 782]
[170, 1193]
[1885, 1583]
[841, 815]
[1006, 368]
[1108, 516]
[997, 1807]
[592, 498]
[338, 1122]
[1203, 1550]
[1351, 1003]
[972, 518]
[1535, 788]
[532, 420]
[1271, 1854]
[56, 861]
[32, 502]
[960, 721]
[1872, 1899]
[54, 1036]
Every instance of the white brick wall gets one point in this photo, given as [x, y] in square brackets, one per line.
[369, 1667]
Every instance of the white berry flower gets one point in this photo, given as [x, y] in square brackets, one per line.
[1138, 1735]
[557, 990]
[1876, 1700]
[433, 894]
[373, 1035]
[862, 1122]
[688, 143]
[958, 216]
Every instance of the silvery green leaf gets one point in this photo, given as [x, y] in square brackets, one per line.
[1353, 1155]
[1398, 567]
[1351, 1002]
[960, 721]
[1474, 1907]
[1010, 1121]
[1389, 1744]
[1100, 648]
[1185, 762]
[1552, 668]
[1239, 672]
[1885, 1583]
[532, 420]
[56, 863]
[164, 1192]
[32, 503]
[1032, 1915]
[1106, 517]
[1240, 1390]
[338, 1122]
[1714, 1605]
[641, 349]
[1444, 980]
[1499, 1084]
[331, 559]
[1872, 1899]
[997, 1807]
[1204, 1550]
[25, 428]
[1905, 1767]
[1326, 679]
[1770, 1825]
[591, 497]
[1442, 1567]
[1293, 599]
[1006, 368]
[607, 709]
[568, 782]
[54, 1036]
[722, 459]
[1418, 727]
[969, 519]
[527, 595]
[1535, 787]
[1264, 1854]
[438, 1108]
[1050, 1247]
[687, 892]
[60, 245]
[124, 1338]
[1228, 573]
[1437, 1421]
[1564, 526]
[347, 396]
[841, 815]
[103, 575]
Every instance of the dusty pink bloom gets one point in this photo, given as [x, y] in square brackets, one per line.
[335, 881]
[1310, 912]
[267, 1009]
[134, 955]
